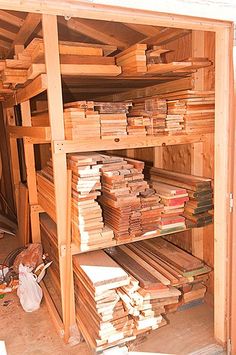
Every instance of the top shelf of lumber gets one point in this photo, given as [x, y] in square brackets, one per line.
[83, 60]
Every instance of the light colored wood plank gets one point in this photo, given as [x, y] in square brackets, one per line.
[40, 133]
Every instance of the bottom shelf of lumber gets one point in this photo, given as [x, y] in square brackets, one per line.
[126, 292]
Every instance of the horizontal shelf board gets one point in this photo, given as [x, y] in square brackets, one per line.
[38, 134]
[73, 146]
[75, 249]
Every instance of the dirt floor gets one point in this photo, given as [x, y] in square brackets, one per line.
[34, 333]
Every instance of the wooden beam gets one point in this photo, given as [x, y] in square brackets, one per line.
[36, 87]
[164, 36]
[8, 34]
[41, 133]
[145, 30]
[27, 28]
[12, 19]
[221, 178]
[158, 89]
[55, 107]
[117, 14]
[5, 44]
[77, 70]
[73, 146]
[31, 173]
[93, 31]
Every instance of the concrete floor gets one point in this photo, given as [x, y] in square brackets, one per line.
[34, 333]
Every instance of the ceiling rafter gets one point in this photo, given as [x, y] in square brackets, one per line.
[92, 31]
[7, 34]
[12, 19]
[165, 36]
[145, 30]
[30, 23]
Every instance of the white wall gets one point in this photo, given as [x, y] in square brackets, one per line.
[215, 9]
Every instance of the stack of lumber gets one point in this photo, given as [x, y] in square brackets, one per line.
[122, 181]
[173, 199]
[46, 192]
[151, 112]
[197, 210]
[137, 125]
[157, 109]
[100, 314]
[168, 278]
[151, 210]
[81, 120]
[174, 123]
[49, 242]
[183, 68]
[133, 60]
[113, 118]
[197, 108]
[86, 214]
[83, 59]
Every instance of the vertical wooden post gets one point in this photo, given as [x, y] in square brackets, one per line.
[158, 157]
[55, 106]
[15, 167]
[31, 174]
[221, 193]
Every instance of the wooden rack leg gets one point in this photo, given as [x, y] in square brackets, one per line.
[31, 173]
[15, 168]
[55, 106]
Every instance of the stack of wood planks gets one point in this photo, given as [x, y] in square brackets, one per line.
[173, 199]
[196, 108]
[151, 210]
[82, 59]
[126, 291]
[133, 60]
[113, 118]
[81, 120]
[100, 312]
[152, 114]
[157, 108]
[122, 181]
[49, 241]
[168, 278]
[198, 210]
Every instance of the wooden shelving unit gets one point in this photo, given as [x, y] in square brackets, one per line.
[48, 79]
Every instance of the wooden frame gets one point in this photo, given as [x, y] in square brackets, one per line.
[223, 31]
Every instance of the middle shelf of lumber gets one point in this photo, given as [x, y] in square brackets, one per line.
[38, 135]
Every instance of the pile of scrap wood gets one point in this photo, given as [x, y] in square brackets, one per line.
[198, 210]
[195, 108]
[173, 199]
